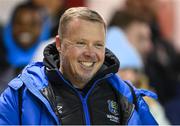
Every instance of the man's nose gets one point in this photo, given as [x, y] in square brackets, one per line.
[90, 51]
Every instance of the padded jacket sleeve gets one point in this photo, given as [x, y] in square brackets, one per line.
[135, 119]
[9, 113]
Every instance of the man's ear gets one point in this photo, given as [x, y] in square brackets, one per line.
[58, 43]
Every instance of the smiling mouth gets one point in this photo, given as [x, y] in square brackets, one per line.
[87, 64]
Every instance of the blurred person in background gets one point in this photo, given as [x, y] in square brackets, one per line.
[20, 38]
[137, 30]
[132, 68]
[160, 59]
[3, 63]
[172, 109]
[52, 11]
[161, 66]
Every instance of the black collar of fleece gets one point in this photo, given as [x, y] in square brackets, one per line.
[110, 65]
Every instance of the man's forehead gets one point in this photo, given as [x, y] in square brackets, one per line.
[75, 22]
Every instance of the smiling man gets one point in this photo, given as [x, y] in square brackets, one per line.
[82, 53]
[76, 83]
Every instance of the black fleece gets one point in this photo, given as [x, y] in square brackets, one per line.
[89, 105]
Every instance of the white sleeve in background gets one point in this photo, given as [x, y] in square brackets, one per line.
[158, 112]
[38, 55]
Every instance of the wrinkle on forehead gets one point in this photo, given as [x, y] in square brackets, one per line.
[77, 24]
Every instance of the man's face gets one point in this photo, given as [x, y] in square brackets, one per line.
[26, 27]
[82, 50]
[139, 35]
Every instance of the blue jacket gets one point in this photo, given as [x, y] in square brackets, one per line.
[36, 108]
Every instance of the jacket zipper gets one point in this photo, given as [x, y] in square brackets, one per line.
[132, 110]
[84, 100]
[37, 94]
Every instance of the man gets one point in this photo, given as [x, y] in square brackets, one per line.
[137, 30]
[75, 84]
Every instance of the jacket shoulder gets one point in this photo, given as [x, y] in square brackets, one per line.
[16, 83]
[9, 106]
[142, 112]
[121, 87]
[33, 72]
[126, 89]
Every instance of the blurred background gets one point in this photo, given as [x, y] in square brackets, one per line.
[143, 34]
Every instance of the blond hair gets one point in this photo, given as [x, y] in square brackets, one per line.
[81, 13]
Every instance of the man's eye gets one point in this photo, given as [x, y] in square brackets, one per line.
[99, 46]
[80, 44]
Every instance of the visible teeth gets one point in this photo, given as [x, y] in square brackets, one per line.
[87, 64]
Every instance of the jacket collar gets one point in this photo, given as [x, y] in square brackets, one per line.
[51, 61]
